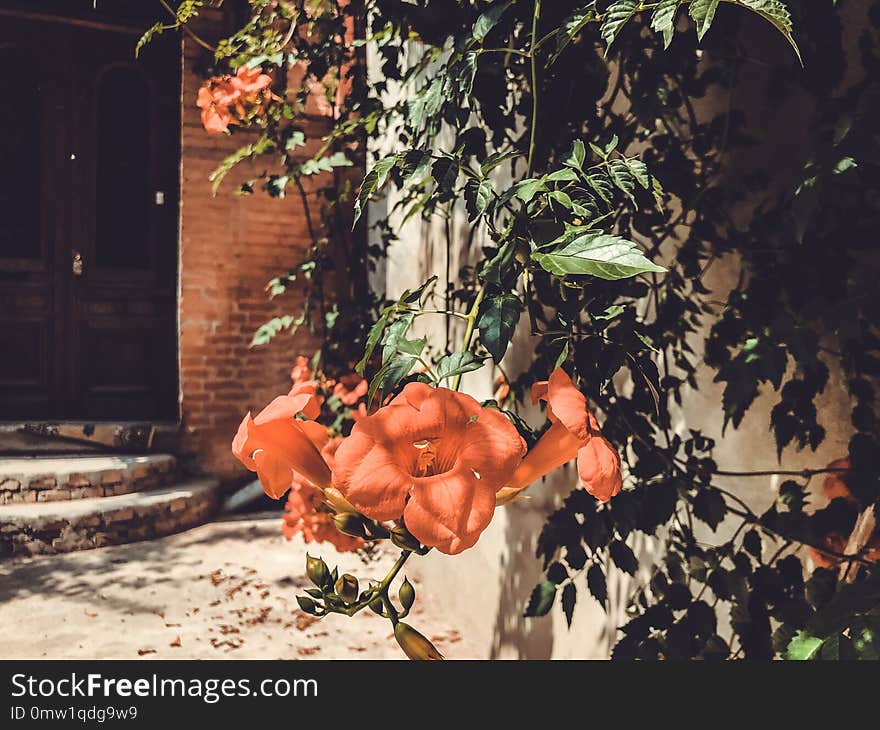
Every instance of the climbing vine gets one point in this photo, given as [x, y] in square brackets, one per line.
[592, 144]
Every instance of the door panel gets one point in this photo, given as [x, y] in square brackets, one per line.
[32, 138]
[93, 319]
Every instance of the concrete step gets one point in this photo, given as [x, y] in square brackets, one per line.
[26, 479]
[60, 527]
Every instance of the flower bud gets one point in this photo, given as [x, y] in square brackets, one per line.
[414, 645]
[401, 537]
[306, 604]
[376, 606]
[347, 587]
[349, 524]
[406, 594]
[317, 570]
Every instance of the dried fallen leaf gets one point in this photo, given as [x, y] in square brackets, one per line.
[176, 642]
[141, 652]
[90, 614]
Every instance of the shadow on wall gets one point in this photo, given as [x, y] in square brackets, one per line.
[515, 636]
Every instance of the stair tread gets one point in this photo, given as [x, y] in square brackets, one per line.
[66, 510]
[33, 466]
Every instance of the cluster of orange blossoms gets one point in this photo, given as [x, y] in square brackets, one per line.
[433, 458]
[226, 100]
[835, 487]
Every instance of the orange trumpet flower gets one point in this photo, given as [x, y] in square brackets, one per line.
[278, 445]
[574, 432]
[434, 457]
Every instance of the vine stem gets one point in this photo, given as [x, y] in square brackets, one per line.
[534, 125]
[186, 29]
[468, 338]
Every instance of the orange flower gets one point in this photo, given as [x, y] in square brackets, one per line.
[835, 484]
[306, 514]
[434, 457]
[215, 97]
[301, 372]
[574, 431]
[502, 388]
[350, 389]
[276, 443]
[250, 80]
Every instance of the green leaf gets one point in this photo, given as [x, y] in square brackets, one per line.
[615, 18]
[149, 33]
[703, 13]
[495, 159]
[569, 599]
[457, 363]
[373, 180]
[373, 337]
[663, 19]
[477, 196]
[639, 170]
[495, 268]
[611, 312]
[271, 328]
[489, 20]
[597, 254]
[541, 600]
[262, 145]
[601, 185]
[395, 340]
[397, 370]
[776, 13]
[564, 175]
[597, 584]
[426, 103]
[497, 322]
[844, 164]
[803, 647]
[445, 173]
[318, 165]
[577, 156]
[573, 25]
[623, 178]
[526, 189]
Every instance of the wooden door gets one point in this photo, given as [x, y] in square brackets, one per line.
[88, 222]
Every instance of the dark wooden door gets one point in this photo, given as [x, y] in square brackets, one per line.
[88, 222]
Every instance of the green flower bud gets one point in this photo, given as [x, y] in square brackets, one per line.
[414, 645]
[317, 570]
[306, 604]
[347, 588]
[401, 537]
[406, 594]
[376, 606]
[349, 524]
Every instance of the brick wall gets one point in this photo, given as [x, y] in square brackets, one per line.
[230, 246]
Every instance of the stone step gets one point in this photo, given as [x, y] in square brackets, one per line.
[60, 527]
[50, 479]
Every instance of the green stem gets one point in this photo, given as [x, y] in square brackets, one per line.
[468, 338]
[534, 125]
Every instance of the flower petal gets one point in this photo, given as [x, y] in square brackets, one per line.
[554, 449]
[599, 468]
[367, 475]
[449, 511]
[567, 403]
[276, 475]
[492, 447]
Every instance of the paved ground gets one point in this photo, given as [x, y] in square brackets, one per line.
[222, 590]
